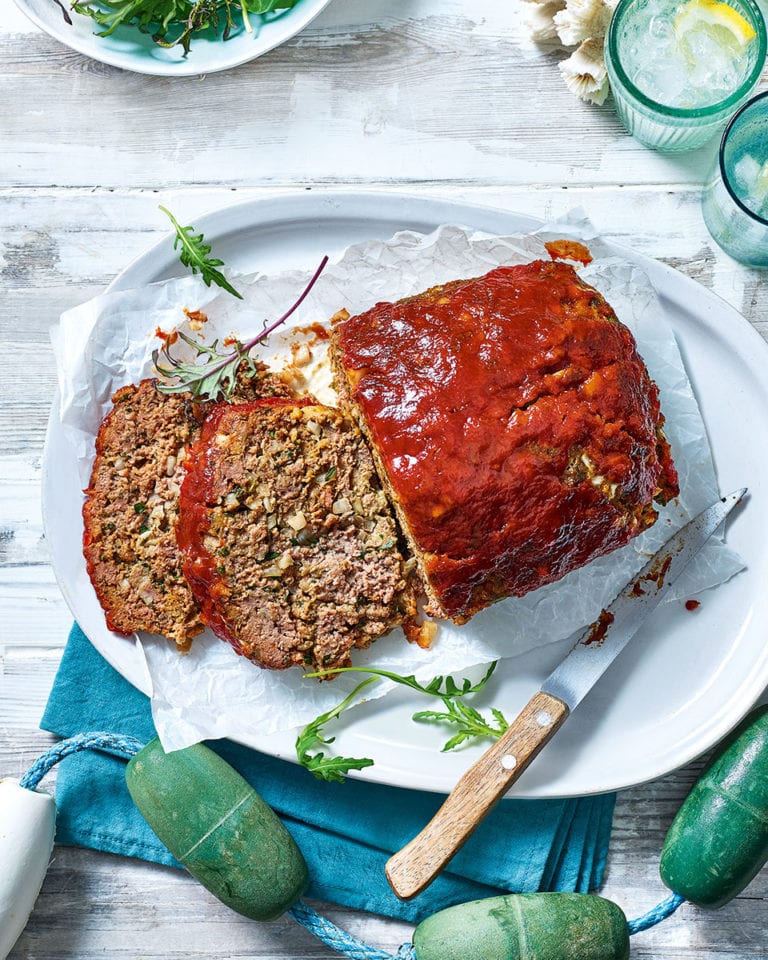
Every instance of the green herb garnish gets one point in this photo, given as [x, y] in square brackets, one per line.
[213, 375]
[311, 737]
[193, 253]
[470, 723]
[442, 686]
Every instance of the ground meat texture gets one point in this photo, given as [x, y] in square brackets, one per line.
[515, 425]
[288, 541]
[131, 508]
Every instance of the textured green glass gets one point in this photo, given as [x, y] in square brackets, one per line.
[734, 224]
[674, 129]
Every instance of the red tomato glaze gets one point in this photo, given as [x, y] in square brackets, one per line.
[517, 426]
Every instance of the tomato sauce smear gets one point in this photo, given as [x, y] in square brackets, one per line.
[516, 423]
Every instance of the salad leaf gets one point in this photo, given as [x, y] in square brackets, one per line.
[175, 22]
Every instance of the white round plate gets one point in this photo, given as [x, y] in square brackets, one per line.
[130, 49]
[684, 681]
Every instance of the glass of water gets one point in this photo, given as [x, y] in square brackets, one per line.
[679, 68]
[735, 197]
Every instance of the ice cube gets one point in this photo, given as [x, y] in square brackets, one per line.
[750, 181]
[715, 68]
[746, 170]
[660, 26]
[664, 80]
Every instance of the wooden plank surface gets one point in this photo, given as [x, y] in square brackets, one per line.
[423, 90]
[441, 99]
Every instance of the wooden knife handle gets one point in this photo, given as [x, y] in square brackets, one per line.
[415, 866]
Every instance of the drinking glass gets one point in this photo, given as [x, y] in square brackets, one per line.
[666, 128]
[735, 197]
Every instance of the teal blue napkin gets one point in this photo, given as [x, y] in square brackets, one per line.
[346, 831]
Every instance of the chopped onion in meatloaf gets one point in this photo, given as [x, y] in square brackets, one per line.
[507, 422]
[516, 428]
[132, 506]
[289, 544]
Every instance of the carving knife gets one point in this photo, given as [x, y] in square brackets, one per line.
[415, 866]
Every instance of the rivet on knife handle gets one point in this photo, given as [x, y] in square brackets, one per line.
[411, 869]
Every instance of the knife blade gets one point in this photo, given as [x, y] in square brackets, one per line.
[414, 867]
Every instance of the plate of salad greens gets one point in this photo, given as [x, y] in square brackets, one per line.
[177, 38]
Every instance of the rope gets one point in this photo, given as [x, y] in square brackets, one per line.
[126, 747]
[341, 941]
[656, 914]
[112, 743]
[326, 931]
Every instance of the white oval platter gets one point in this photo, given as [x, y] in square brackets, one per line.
[684, 682]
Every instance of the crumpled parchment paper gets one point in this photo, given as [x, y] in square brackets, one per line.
[211, 692]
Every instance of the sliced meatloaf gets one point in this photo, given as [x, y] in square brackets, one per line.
[516, 427]
[288, 542]
[131, 507]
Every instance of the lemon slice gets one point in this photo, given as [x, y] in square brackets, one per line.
[716, 18]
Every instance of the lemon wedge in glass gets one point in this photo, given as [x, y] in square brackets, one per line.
[715, 18]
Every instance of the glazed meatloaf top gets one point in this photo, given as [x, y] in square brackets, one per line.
[132, 504]
[517, 428]
[288, 541]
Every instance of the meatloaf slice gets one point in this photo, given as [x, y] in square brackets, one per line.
[288, 542]
[515, 425]
[131, 507]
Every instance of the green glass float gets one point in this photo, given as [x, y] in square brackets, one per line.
[719, 839]
[219, 828]
[526, 926]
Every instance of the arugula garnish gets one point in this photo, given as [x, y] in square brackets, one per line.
[433, 689]
[213, 373]
[193, 253]
[469, 722]
[311, 737]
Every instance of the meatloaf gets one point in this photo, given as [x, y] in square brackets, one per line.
[515, 425]
[289, 544]
[131, 506]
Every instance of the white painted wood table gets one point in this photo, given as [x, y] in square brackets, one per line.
[438, 97]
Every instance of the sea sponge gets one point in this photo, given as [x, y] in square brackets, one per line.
[582, 20]
[538, 17]
[584, 72]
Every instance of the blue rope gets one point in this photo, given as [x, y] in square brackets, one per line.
[331, 935]
[340, 940]
[113, 743]
[655, 915]
[125, 747]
